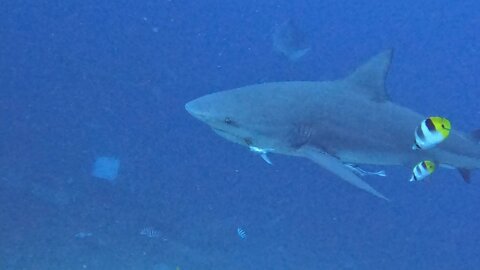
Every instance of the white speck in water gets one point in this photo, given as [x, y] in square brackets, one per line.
[150, 232]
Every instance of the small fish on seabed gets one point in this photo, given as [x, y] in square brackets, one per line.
[241, 233]
[422, 170]
[82, 235]
[150, 232]
[431, 132]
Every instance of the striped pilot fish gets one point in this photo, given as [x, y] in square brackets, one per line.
[422, 170]
[431, 132]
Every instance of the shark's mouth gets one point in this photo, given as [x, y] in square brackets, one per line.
[232, 137]
[219, 131]
[223, 132]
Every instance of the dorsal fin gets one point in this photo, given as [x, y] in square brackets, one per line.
[475, 135]
[371, 76]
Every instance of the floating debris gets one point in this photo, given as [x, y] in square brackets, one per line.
[241, 233]
[106, 168]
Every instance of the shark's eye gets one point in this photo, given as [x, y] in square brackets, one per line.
[228, 120]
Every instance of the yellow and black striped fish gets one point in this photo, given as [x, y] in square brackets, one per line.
[422, 170]
[431, 132]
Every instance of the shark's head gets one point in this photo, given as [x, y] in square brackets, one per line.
[232, 115]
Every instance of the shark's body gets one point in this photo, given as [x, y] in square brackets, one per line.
[332, 123]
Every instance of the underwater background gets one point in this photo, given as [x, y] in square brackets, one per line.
[90, 81]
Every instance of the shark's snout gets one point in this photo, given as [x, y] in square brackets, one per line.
[195, 110]
[190, 108]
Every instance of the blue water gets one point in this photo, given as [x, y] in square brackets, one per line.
[81, 80]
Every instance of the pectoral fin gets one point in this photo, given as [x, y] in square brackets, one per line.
[335, 166]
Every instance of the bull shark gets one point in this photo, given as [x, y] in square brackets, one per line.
[290, 41]
[333, 123]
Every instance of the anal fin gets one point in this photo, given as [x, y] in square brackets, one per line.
[466, 174]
